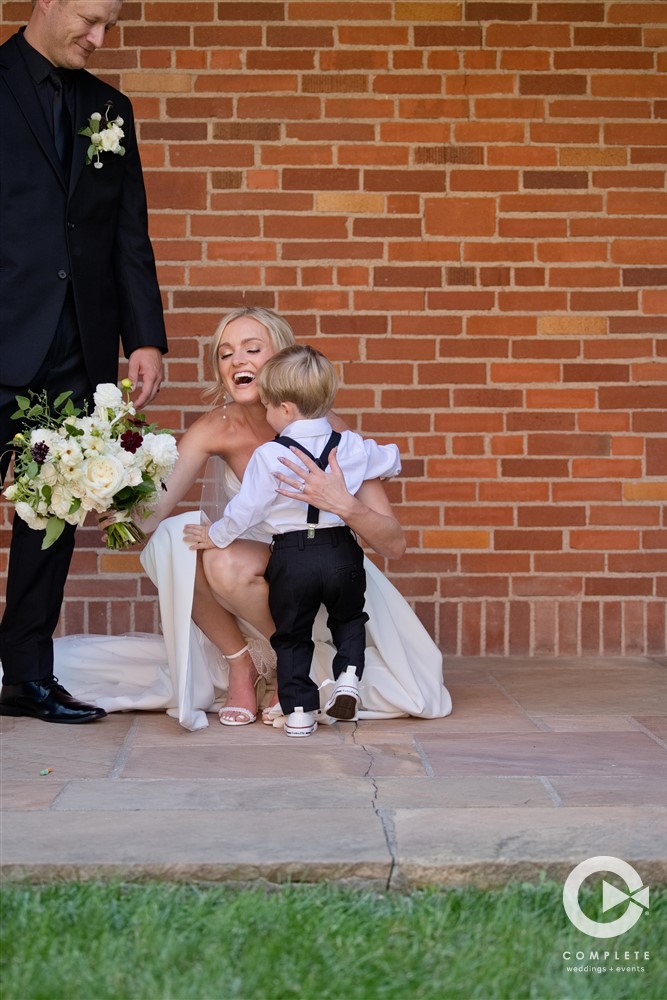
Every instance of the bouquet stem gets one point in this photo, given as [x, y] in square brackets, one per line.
[124, 533]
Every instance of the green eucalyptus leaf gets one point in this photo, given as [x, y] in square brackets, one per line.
[59, 400]
[54, 530]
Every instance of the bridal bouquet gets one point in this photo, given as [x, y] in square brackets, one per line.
[67, 464]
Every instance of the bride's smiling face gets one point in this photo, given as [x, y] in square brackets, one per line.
[245, 346]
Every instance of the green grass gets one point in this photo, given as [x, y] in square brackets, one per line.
[155, 941]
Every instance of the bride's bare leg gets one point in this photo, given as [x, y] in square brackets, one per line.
[220, 626]
[235, 576]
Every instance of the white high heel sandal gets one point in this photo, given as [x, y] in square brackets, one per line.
[248, 716]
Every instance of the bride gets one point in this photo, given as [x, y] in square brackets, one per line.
[214, 648]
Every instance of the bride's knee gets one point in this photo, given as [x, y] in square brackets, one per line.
[226, 571]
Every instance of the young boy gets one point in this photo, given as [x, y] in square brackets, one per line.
[314, 560]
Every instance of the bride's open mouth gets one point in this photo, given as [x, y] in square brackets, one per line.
[243, 378]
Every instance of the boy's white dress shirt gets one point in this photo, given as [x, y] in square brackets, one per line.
[257, 504]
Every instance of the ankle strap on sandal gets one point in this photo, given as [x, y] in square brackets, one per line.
[235, 656]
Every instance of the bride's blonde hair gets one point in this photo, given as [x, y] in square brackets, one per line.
[279, 331]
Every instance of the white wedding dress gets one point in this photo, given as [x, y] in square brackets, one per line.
[184, 674]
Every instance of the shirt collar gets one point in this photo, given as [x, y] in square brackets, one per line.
[38, 65]
[307, 428]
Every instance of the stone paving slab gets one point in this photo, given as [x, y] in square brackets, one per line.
[610, 688]
[543, 753]
[471, 791]
[615, 790]
[435, 846]
[289, 761]
[655, 725]
[234, 794]
[585, 723]
[541, 764]
[211, 845]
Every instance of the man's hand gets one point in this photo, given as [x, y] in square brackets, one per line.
[145, 369]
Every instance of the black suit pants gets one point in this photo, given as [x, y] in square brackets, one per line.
[35, 578]
[302, 574]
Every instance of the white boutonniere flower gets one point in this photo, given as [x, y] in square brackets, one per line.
[105, 135]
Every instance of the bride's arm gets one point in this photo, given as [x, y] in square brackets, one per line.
[194, 450]
[368, 513]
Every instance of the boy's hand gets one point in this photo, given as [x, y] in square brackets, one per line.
[196, 536]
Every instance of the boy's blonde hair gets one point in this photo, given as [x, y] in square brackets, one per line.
[278, 328]
[299, 375]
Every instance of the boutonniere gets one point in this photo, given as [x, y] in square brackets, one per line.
[105, 134]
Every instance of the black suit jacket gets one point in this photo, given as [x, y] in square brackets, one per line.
[88, 231]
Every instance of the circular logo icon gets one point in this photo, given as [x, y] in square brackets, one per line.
[636, 897]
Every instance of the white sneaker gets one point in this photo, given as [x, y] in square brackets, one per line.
[300, 723]
[345, 697]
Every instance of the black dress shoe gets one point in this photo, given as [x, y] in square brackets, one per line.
[47, 700]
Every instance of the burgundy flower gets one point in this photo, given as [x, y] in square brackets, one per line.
[130, 441]
[39, 452]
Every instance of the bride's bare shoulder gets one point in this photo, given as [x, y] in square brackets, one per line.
[216, 429]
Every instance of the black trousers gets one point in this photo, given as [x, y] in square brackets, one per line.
[302, 574]
[35, 578]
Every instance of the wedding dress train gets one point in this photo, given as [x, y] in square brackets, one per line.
[182, 672]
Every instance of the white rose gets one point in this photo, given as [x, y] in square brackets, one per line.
[103, 477]
[134, 476]
[127, 458]
[27, 514]
[96, 138]
[49, 474]
[109, 141]
[160, 449]
[78, 517]
[11, 491]
[42, 435]
[107, 395]
[61, 501]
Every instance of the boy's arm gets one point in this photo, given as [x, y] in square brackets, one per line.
[248, 508]
[383, 460]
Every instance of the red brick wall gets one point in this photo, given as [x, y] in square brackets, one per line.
[464, 205]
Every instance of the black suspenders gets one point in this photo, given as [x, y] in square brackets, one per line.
[313, 515]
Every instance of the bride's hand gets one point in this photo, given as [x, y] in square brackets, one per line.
[109, 517]
[325, 490]
[196, 536]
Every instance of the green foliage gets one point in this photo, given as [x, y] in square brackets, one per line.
[323, 942]
[36, 405]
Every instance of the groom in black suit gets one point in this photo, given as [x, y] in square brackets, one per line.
[76, 273]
